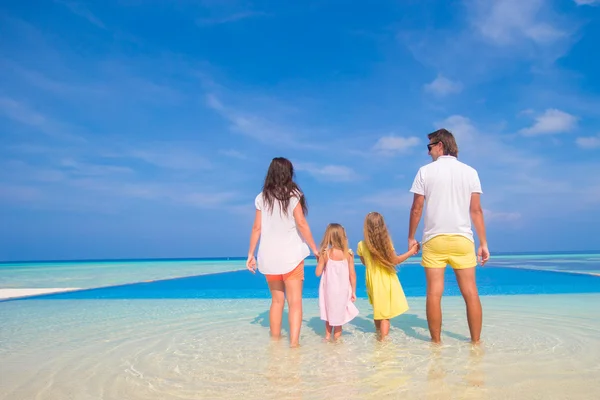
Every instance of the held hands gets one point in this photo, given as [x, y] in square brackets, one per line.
[251, 263]
[483, 254]
[413, 247]
[411, 244]
[316, 253]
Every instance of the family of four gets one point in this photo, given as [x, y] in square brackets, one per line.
[446, 189]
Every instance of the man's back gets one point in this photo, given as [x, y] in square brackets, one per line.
[447, 185]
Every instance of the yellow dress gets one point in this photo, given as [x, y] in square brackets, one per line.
[383, 287]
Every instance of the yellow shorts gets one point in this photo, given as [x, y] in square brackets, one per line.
[456, 250]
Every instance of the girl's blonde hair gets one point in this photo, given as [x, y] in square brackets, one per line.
[378, 240]
[335, 237]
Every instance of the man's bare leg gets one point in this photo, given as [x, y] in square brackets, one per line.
[468, 288]
[435, 290]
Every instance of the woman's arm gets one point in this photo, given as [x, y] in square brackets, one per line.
[321, 265]
[254, 236]
[304, 229]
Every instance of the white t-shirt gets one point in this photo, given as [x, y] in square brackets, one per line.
[447, 185]
[281, 246]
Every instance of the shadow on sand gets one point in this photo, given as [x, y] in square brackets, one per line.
[262, 319]
[408, 323]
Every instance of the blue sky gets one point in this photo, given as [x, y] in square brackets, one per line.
[144, 129]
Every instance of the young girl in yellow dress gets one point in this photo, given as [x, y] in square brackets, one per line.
[377, 254]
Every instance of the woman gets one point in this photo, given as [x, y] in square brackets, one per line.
[285, 238]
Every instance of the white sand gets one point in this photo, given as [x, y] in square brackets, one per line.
[15, 293]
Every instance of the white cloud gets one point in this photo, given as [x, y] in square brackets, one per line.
[469, 140]
[527, 111]
[231, 18]
[390, 145]
[171, 157]
[501, 216]
[442, 86]
[504, 22]
[234, 154]
[18, 193]
[461, 127]
[590, 142]
[20, 112]
[586, 2]
[256, 126]
[552, 121]
[211, 199]
[334, 173]
[23, 114]
[87, 169]
[83, 12]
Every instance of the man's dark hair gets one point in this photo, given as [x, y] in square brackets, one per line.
[447, 139]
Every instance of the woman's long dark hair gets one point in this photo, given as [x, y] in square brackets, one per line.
[280, 186]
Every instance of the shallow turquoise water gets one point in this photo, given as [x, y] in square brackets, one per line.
[535, 347]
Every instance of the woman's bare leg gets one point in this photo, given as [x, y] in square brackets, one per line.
[277, 289]
[293, 292]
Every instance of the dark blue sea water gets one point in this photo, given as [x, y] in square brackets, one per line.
[243, 284]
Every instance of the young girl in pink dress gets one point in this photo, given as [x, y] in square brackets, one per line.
[337, 290]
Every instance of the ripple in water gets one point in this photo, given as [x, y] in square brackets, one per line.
[534, 347]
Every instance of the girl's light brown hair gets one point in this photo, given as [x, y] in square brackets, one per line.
[335, 237]
[378, 240]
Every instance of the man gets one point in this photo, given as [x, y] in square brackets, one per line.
[450, 191]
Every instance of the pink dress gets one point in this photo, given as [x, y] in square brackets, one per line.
[335, 294]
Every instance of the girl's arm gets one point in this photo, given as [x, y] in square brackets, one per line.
[254, 236]
[321, 265]
[411, 252]
[352, 275]
[304, 229]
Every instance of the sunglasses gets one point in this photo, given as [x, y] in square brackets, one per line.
[430, 145]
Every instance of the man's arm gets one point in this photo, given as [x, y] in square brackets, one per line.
[416, 210]
[483, 254]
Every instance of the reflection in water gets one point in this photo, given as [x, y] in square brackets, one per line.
[387, 375]
[474, 375]
[444, 373]
[436, 374]
[283, 375]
